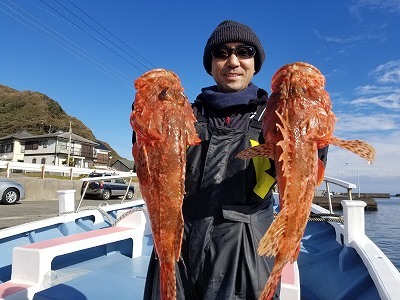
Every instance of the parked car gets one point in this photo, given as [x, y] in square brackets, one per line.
[105, 189]
[11, 191]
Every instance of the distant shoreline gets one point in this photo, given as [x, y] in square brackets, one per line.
[323, 201]
[354, 195]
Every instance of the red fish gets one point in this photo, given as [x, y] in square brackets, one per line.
[163, 121]
[298, 122]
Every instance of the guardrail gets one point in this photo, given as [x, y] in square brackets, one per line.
[344, 184]
[10, 166]
[114, 176]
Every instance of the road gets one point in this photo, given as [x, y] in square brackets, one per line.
[30, 210]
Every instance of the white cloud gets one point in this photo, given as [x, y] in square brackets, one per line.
[388, 73]
[376, 89]
[391, 6]
[386, 92]
[357, 123]
[391, 101]
[343, 40]
[384, 173]
[372, 116]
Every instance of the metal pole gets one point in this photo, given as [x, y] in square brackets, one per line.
[358, 182]
[329, 197]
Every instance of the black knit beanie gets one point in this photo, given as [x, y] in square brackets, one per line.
[231, 31]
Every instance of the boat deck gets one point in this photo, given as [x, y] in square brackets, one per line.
[337, 264]
[83, 280]
[328, 269]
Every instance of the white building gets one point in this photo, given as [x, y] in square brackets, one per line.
[52, 149]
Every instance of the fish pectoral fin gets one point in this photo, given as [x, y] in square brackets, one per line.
[358, 147]
[321, 172]
[140, 155]
[256, 151]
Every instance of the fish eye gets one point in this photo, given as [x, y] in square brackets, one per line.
[163, 95]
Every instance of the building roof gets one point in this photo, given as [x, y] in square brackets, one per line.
[126, 162]
[102, 146]
[23, 135]
[19, 135]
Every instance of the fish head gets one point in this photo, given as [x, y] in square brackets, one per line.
[160, 85]
[299, 104]
[161, 107]
[297, 77]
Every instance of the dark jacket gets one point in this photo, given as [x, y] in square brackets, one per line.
[227, 208]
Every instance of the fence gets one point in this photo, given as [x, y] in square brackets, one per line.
[11, 166]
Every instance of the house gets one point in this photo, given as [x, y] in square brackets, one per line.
[123, 165]
[102, 156]
[52, 149]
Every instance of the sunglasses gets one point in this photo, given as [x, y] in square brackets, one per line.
[241, 52]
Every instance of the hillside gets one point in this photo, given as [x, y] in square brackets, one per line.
[36, 113]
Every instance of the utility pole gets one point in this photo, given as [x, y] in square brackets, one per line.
[69, 143]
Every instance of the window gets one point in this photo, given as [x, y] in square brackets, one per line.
[31, 145]
[102, 158]
[87, 151]
[62, 144]
[34, 160]
[44, 143]
[6, 148]
[43, 161]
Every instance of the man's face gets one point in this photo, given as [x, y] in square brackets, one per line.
[233, 73]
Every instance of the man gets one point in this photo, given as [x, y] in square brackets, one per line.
[228, 204]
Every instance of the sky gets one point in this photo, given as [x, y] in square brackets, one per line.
[86, 55]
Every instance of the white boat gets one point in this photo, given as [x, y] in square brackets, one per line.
[103, 253]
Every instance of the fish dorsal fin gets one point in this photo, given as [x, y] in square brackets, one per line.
[358, 147]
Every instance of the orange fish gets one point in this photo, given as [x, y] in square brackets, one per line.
[163, 121]
[298, 122]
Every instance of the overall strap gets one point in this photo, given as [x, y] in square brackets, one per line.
[256, 120]
[198, 110]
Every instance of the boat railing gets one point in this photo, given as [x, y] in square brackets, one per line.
[108, 177]
[347, 185]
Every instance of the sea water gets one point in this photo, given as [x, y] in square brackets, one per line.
[383, 227]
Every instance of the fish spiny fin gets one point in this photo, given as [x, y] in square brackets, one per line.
[295, 254]
[269, 244]
[256, 151]
[358, 147]
[321, 172]
[178, 239]
[285, 144]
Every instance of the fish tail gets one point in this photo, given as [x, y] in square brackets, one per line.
[358, 147]
[167, 281]
[270, 287]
